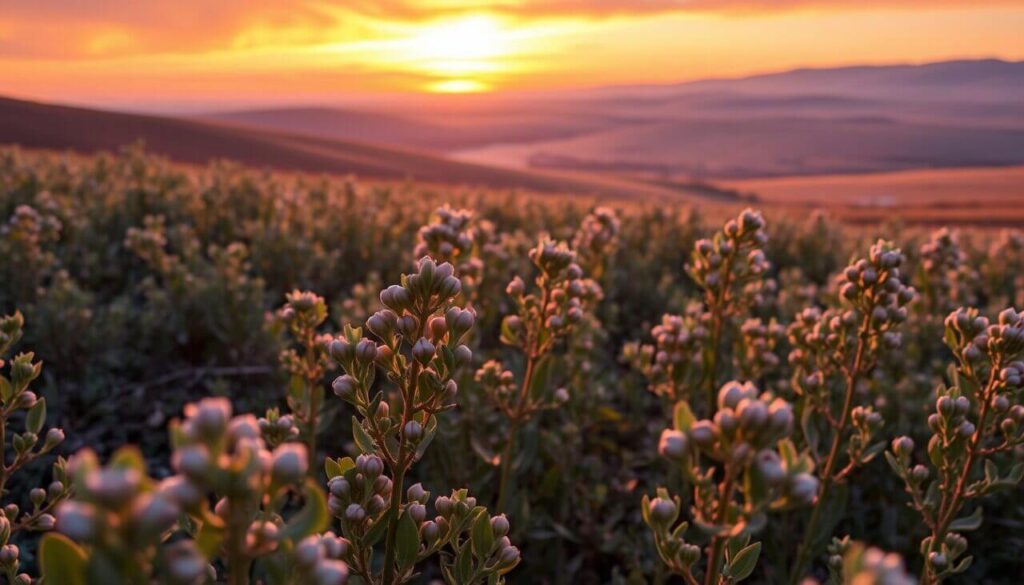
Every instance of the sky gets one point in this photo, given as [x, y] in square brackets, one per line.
[181, 54]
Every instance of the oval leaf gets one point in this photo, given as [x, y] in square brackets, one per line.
[61, 560]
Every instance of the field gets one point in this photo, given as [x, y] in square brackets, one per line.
[630, 392]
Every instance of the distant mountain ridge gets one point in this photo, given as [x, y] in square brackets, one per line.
[852, 119]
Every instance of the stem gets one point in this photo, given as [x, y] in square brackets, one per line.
[3, 452]
[718, 303]
[396, 502]
[508, 452]
[239, 563]
[314, 407]
[711, 575]
[950, 506]
[827, 479]
[532, 355]
[401, 466]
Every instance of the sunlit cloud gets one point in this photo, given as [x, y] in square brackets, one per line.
[80, 49]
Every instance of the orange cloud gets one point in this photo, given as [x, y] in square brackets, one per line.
[84, 29]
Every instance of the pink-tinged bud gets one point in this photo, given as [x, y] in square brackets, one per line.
[192, 460]
[508, 557]
[413, 430]
[423, 351]
[416, 493]
[673, 444]
[663, 511]
[77, 520]
[463, 355]
[753, 415]
[153, 514]
[418, 512]
[341, 350]
[54, 437]
[339, 487]
[465, 320]
[181, 491]
[113, 487]
[290, 464]
[243, 427]
[443, 505]
[903, 446]
[45, 522]
[309, 551]
[366, 351]
[516, 287]
[376, 504]
[770, 467]
[355, 513]
[344, 387]
[438, 327]
[370, 465]
[429, 532]
[804, 488]
[703, 434]
[499, 526]
[210, 417]
[330, 572]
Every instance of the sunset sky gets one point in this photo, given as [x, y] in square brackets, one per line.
[198, 53]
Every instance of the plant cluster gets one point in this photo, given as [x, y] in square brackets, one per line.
[533, 358]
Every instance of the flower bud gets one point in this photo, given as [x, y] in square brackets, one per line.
[663, 511]
[703, 434]
[903, 447]
[344, 386]
[330, 572]
[423, 351]
[355, 513]
[77, 520]
[443, 505]
[366, 351]
[673, 444]
[429, 532]
[290, 464]
[463, 356]
[499, 526]
[804, 488]
[413, 430]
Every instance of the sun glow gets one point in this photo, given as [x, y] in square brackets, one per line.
[461, 53]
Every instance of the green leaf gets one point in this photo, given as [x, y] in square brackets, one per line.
[36, 416]
[483, 535]
[464, 564]
[682, 416]
[742, 565]
[312, 518]
[6, 390]
[408, 545]
[809, 426]
[210, 536]
[963, 565]
[377, 531]
[541, 377]
[967, 523]
[363, 440]
[61, 560]
[429, 432]
[338, 467]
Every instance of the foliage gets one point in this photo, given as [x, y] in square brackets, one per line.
[514, 364]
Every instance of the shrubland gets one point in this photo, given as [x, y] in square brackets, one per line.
[226, 375]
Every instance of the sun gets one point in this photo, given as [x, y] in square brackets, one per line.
[460, 53]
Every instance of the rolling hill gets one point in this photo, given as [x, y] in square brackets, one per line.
[805, 122]
[35, 125]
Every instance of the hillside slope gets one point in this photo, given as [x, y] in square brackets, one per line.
[36, 125]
